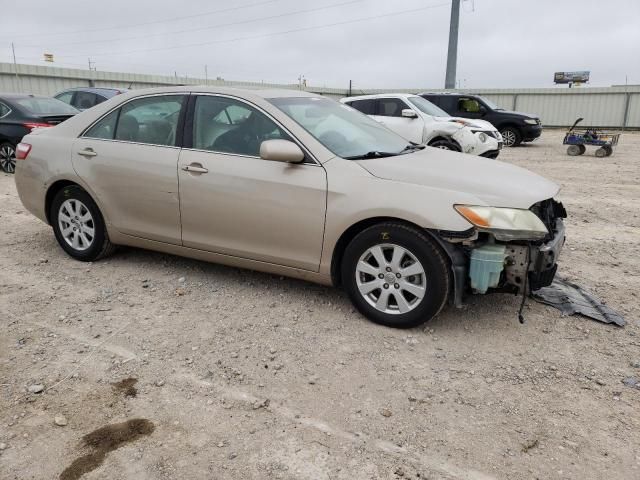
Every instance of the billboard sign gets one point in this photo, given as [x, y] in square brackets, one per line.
[571, 77]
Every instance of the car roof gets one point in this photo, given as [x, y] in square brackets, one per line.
[454, 94]
[99, 90]
[264, 93]
[379, 95]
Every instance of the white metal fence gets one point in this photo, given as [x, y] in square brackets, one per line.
[617, 107]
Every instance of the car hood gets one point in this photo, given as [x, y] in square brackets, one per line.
[495, 183]
[520, 114]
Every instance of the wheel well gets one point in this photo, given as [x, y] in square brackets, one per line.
[52, 192]
[350, 234]
[506, 125]
[438, 138]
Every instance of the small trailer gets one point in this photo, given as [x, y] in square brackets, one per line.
[578, 138]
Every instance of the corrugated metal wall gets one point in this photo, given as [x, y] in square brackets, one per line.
[605, 107]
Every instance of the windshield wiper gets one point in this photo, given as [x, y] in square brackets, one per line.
[412, 146]
[372, 154]
[375, 154]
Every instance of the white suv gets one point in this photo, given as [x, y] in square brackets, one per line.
[421, 122]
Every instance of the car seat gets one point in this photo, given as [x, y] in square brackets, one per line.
[128, 128]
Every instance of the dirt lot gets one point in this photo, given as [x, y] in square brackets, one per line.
[242, 375]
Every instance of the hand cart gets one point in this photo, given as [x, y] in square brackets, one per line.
[578, 138]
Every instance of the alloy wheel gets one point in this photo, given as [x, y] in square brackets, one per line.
[76, 224]
[509, 138]
[7, 158]
[391, 279]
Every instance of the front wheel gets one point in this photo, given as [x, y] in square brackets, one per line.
[78, 225]
[445, 145]
[395, 275]
[7, 157]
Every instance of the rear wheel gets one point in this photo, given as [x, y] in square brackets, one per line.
[395, 275]
[445, 145]
[601, 152]
[575, 150]
[78, 225]
[608, 149]
[7, 157]
[511, 136]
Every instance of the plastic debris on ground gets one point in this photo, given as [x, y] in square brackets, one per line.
[570, 298]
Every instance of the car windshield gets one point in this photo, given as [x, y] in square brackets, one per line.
[490, 104]
[425, 106]
[45, 106]
[342, 129]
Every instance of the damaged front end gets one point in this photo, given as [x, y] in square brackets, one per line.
[506, 250]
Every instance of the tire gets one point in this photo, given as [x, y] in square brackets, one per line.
[575, 150]
[601, 152]
[582, 149]
[609, 150]
[403, 302]
[511, 136]
[7, 157]
[79, 226]
[445, 145]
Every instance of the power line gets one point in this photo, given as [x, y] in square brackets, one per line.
[209, 27]
[252, 37]
[153, 22]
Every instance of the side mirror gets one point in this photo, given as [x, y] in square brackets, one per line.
[281, 151]
[408, 113]
[482, 110]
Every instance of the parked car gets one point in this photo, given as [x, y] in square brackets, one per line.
[19, 115]
[515, 127]
[420, 121]
[83, 98]
[293, 184]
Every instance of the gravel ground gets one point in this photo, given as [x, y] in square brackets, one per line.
[242, 375]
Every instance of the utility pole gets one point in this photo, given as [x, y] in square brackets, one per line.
[452, 54]
[91, 65]
[206, 76]
[15, 67]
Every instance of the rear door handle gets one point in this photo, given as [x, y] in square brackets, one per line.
[87, 152]
[195, 168]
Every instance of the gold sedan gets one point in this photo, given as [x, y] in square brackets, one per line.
[295, 184]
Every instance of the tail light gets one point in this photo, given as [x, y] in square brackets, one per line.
[22, 150]
[32, 125]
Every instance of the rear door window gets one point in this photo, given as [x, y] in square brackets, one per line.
[152, 120]
[4, 110]
[105, 128]
[468, 105]
[446, 102]
[65, 97]
[85, 100]
[368, 107]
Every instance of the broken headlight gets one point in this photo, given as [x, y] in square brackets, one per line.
[505, 224]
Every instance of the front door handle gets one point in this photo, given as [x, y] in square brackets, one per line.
[87, 152]
[195, 168]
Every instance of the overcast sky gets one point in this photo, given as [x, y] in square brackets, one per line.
[375, 43]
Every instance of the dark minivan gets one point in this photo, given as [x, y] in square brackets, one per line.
[515, 127]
